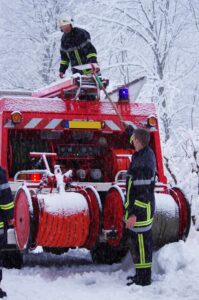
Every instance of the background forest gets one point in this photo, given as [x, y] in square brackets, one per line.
[158, 39]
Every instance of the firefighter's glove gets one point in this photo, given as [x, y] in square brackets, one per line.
[61, 74]
[129, 130]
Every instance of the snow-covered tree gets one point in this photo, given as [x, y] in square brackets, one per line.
[31, 41]
[155, 38]
[143, 37]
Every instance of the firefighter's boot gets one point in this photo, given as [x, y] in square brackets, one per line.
[142, 277]
[2, 293]
[131, 280]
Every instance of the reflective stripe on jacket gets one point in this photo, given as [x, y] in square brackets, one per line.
[76, 49]
[6, 199]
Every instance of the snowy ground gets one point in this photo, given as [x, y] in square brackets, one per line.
[73, 277]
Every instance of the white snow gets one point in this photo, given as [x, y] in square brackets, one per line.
[72, 276]
[27, 35]
[165, 203]
[64, 203]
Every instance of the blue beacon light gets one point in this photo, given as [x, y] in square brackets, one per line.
[123, 94]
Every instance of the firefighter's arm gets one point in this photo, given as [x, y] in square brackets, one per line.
[129, 129]
[64, 63]
[129, 204]
[89, 49]
[91, 56]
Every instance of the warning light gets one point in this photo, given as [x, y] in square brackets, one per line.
[29, 176]
[16, 117]
[152, 121]
[123, 94]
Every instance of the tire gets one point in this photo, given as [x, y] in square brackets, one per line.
[12, 259]
[105, 254]
[57, 251]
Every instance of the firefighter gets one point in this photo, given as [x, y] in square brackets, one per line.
[140, 206]
[6, 215]
[76, 47]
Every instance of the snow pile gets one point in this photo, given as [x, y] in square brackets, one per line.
[72, 276]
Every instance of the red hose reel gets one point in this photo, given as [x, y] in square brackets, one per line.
[70, 219]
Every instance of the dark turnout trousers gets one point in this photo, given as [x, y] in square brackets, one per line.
[140, 245]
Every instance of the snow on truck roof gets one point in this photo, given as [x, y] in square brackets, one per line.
[57, 105]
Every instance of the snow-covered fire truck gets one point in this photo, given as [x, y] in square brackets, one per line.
[66, 154]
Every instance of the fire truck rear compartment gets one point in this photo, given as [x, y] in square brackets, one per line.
[92, 155]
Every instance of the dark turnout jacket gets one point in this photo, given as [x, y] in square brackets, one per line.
[6, 200]
[76, 49]
[140, 184]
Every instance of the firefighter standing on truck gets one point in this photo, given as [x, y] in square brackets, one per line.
[6, 215]
[76, 47]
[140, 206]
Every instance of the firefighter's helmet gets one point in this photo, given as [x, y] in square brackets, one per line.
[64, 20]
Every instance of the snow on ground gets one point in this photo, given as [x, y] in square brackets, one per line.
[72, 276]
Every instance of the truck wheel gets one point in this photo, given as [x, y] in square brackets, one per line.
[105, 254]
[12, 259]
[53, 250]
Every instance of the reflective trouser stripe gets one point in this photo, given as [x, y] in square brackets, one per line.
[142, 264]
[141, 248]
[7, 206]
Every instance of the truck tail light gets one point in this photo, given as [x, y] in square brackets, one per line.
[29, 176]
[16, 117]
[152, 121]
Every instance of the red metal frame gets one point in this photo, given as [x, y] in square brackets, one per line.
[22, 219]
[95, 217]
[184, 212]
[39, 114]
[158, 153]
[56, 90]
[113, 215]
[42, 113]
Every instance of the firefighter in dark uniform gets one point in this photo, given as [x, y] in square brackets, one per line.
[76, 47]
[6, 214]
[140, 206]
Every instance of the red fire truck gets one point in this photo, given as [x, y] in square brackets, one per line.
[66, 154]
